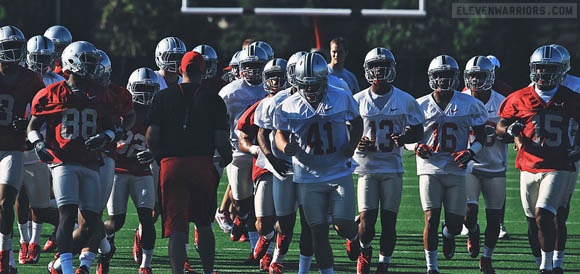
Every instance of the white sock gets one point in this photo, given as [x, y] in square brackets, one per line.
[253, 238]
[87, 259]
[5, 242]
[278, 257]
[384, 259]
[304, 264]
[66, 263]
[24, 236]
[30, 228]
[56, 265]
[36, 231]
[270, 235]
[104, 246]
[487, 252]
[140, 230]
[11, 258]
[431, 257]
[147, 258]
[547, 260]
[447, 234]
[558, 259]
[329, 270]
[538, 261]
[363, 245]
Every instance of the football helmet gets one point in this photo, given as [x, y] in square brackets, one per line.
[81, 58]
[494, 61]
[291, 67]
[168, 54]
[235, 66]
[40, 53]
[379, 66]
[274, 75]
[546, 67]
[60, 37]
[479, 73]
[12, 45]
[266, 47]
[143, 84]
[443, 73]
[312, 77]
[211, 60]
[104, 72]
[252, 61]
[565, 56]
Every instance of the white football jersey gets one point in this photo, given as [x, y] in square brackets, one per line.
[447, 131]
[493, 157]
[51, 77]
[238, 97]
[162, 83]
[320, 133]
[401, 110]
[572, 82]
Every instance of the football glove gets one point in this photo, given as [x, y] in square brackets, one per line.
[365, 144]
[145, 157]
[424, 151]
[42, 151]
[119, 133]
[574, 153]
[463, 157]
[20, 124]
[291, 148]
[515, 129]
[398, 139]
[98, 141]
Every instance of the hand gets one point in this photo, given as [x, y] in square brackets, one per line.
[515, 129]
[145, 157]
[20, 124]
[398, 139]
[119, 133]
[29, 145]
[347, 150]
[574, 153]
[424, 151]
[491, 134]
[97, 142]
[291, 148]
[463, 157]
[364, 144]
[280, 165]
[42, 151]
[255, 150]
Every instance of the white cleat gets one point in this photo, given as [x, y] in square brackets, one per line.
[503, 234]
[464, 230]
[222, 220]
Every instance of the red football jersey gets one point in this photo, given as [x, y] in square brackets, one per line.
[13, 101]
[546, 128]
[58, 69]
[246, 124]
[71, 119]
[127, 148]
[122, 104]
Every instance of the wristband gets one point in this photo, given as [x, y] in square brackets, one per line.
[254, 150]
[476, 147]
[34, 136]
[110, 133]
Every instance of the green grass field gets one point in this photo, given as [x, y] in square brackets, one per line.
[511, 255]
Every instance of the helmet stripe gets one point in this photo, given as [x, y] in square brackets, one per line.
[147, 73]
[309, 64]
[442, 59]
[45, 40]
[202, 50]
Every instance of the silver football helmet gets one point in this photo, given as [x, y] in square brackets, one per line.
[546, 67]
[12, 45]
[252, 60]
[168, 54]
[211, 60]
[40, 53]
[274, 75]
[443, 73]
[494, 61]
[104, 72]
[266, 47]
[479, 73]
[312, 77]
[291, 67]
[81, 58]
[379, 66]
[565, 56]
[143, 84]
[60, 37]
[235, 67]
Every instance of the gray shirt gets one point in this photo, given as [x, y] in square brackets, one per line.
[347, 76]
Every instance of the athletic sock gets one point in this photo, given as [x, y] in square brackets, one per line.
[104, 246]
[447, 234]
[87, 259]
[254, 236]
[329, 270]
[538, 261]
[304, 264]
[431, 257]
[147, 257]
[278, 256]
[66, 263]
[5, 242]
[547, 260]
[270, 235]
[11, 257]
[558, 259]
[384, 259]
[487, 252]
[363, 245]
[24, 236]
[36, 231]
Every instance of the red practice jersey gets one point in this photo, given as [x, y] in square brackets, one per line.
[127, 148]
[71, 119]
[246, 124]
[546, 128]
[122, 104]
[13, 101]
[58, 69]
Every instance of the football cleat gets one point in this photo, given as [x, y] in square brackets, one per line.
[382, 268]
[545, 271]
[105, 260]
[187, 268]
[244, 238]
[485, 265]
[251, 261]
[137, 248]
[33, 253]
[195, 239]
[5, 261]
[503, 234]
[223, 222]
[276, 268]
[265, 262]
[473, 243]
[261, 247]
[50, 245]
[432, 271]
[23, 253]
[237, 230]
[557, 270]
[82, 270]
[464, 231]
[145, 270]
[13, 270]
[363, 266]
[50, 267]
[352, 249]
[448, 244]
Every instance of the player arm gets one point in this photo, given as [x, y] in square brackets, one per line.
[127, 122]
[152, 138]
[245, 143]
[355, 132]
[413, 134]
[264, 142]
[501, 130]
[223, 146]
[35, 137]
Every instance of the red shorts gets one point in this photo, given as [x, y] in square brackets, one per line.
[188, 192]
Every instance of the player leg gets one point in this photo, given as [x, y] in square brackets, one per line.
[391, 192]
[240, 180]
[222, 215]
[142, 192]
[11, 168]
[529, 189]
[430, 190]
[265, 214]
[454, 202]
[494, 191]
[343, 208]
[305, 244]
[38, 190]
[368, 206]
[473, 189]
[22, 209]
[117, 205]
[91, 207]
[561, 219]
[284, 196]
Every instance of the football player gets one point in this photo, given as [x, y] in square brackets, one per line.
[312, 127]
[443, 155]
[133, 174]
[488, 169]
[17, 88]
[61, 38]
[232, 71]
[391, 118]
[546, 154]
[168, 54]
[266, 47]
[498, 85]
[79, 124]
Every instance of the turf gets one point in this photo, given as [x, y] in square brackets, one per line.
[511, 255]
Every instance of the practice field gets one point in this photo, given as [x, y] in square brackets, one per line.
[511, 255]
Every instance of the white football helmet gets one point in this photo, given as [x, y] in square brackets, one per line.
[494, 61]
[168, 54]
[291, 67]
[379, 66]
[81, 58]
[12, 45]
[312, 77]
[266, 47]
[443, 73]
[211, 60]
[60, 37]
[479, 73]
[565, 56]
[550, 62]
[143, 84]
[104, 73]
[40, 53]
[252, 60]
[274, 75]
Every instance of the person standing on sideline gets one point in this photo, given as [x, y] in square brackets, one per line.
[338, 53]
